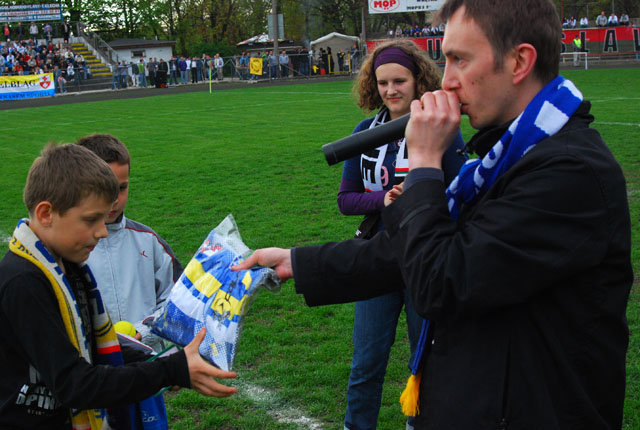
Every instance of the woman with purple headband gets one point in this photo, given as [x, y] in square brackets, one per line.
[391, 77]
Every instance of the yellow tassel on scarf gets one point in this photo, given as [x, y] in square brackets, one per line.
[410, 396]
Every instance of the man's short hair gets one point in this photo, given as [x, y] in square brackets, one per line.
[507, 23]
[64, 175]
[107, 147]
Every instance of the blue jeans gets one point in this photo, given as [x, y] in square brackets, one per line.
[374, 331]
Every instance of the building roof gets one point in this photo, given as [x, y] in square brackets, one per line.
[139, 43]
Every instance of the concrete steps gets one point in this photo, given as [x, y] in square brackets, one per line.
[98, 69]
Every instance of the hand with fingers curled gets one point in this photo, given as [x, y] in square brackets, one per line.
[277, 258]
[434, 124]
[393, 194]
[202, 374]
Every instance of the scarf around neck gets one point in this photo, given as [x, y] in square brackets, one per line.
[27, 245]
[544, 116]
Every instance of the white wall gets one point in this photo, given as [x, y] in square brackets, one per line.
[159, 52]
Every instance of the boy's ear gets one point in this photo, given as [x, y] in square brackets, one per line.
[44, 213]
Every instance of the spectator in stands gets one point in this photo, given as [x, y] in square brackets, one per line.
[122, 72]
[565, 23]
[584, 22]
[572, 22]
[273, 65]
[135, 79]
[182, 66]
[218, 63]
[601, 20]
[59, 79]
[142, 82]
[199, 67]
[613, 20]
[153, 70]
[341, 58]
[162, 73]
[284, 64]
[173, 71]
[331, 66]
[624, 19]
[194, 70]
[33, 31]
[398, 31]
[70, 72]
[48, 32]
[244, 65]
[20, 32]
[187, 61]
[355, 57]
[80, 65]
[66, 30]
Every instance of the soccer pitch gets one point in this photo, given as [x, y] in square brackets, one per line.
[256, 153]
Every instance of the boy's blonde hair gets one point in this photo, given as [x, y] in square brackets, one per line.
[64, 175]
[107, 147]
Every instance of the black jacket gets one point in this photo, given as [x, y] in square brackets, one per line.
[527, 292]
[32, 336]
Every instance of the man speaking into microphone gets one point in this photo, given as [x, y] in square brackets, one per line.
[522, 265]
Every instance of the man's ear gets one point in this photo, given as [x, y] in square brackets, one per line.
[524, 60]
[44, 213]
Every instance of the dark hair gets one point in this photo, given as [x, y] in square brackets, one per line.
[507, 23]
[66, 174]
[107, 147]
[427, 76]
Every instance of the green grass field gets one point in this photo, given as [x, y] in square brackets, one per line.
[256, 153]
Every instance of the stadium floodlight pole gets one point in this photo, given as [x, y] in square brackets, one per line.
[274, 11]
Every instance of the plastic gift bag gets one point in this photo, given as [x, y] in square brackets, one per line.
[209, 294]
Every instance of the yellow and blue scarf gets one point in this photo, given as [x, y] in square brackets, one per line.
[26, 244]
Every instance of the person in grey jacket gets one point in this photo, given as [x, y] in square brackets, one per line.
[134, 267]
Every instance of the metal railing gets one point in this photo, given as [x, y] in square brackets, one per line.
[101, 47]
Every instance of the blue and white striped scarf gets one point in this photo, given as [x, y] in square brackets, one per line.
[547, 113]
[544, 116]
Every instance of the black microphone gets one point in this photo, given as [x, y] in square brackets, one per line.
[365, 140]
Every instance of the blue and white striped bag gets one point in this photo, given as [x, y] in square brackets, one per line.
[209, 294]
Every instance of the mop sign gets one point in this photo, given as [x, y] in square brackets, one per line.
[209, 294]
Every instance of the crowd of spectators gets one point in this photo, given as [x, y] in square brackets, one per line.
[158, 72]
[26, 57]
[427, 30]
[601, 21]
[27, 51]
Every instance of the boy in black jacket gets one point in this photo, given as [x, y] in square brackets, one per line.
[60, 361]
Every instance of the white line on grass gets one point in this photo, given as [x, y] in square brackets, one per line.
[614, 99]
[629, 124]
[274, 406]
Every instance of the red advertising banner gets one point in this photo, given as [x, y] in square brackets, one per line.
[608, 40]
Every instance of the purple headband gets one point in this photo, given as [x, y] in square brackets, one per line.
[393, 54]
